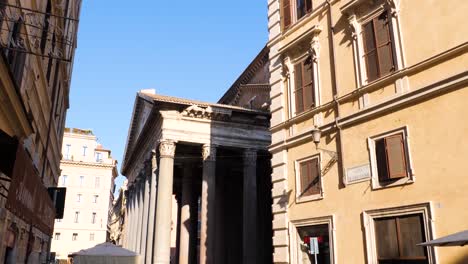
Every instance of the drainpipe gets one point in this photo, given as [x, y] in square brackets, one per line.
[335, 97]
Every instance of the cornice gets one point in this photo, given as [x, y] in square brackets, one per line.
[87, 164]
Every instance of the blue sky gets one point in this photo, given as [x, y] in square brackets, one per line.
[190, 49]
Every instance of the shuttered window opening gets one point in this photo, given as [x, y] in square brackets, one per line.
[397, 238]
[391, 157]
[303, 8]
[310, 177]
[286, 13]
[304, 85]
[378, 47]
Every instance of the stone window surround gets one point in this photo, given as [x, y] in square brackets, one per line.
[368, 217]
[373, 159]
[288, 80]
[301, 199]
[330, 220]
[393, 7]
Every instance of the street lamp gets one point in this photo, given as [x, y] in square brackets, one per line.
[316, 134]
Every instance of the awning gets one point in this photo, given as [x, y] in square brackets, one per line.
[105, 253]
[457, 239]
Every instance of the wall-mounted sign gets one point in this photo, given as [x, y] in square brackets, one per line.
[358, 173]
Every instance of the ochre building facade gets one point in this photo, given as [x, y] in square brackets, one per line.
[368, 105]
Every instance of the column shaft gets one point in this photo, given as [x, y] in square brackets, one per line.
[152, 207]
[145, 223]
[185, 225]
[139, 218]
[249, 224]
[162, 249]
[208, 205]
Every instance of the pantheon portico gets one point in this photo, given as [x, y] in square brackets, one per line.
[212, 159]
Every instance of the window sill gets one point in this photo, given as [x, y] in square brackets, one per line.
[309, 198]
[376, 185]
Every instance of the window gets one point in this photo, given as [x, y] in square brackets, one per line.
[16, 55]
[77, 216]
[93, 218]
[57, 236]
[308, 178]
[303, 7]
[97, 181]
[84, 150]
[397, 238]
[390, 161]
[376, 39]
[75, 236]
[78, 198]
[303, 234]
[378, 47]
[98, 157]
[64, 180]
[95, 198]
[81, 181]
[304, 87]
[91, 236]
[392, 234]
[67, 151]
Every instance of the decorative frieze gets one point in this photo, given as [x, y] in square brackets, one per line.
[209, 112]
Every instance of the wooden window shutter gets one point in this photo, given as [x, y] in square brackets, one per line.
[307, 84]
[370, 53]
[286, 11]
[304, 173]
[308, 4]
[314, 177]
[396, 159]
[381, 156]
[298, 88]
[384, 44]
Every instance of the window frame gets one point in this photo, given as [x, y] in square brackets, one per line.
[76, 218]
[93, 217]
[409, 178]
[79, 197]
[293, 234]
[356, 25]
[57, 236]
[81, 179]
[297, 169]
[75, 237]
[368, 217]
[293, 13]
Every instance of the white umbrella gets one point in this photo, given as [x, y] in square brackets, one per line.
[105, 253]
[457, 239]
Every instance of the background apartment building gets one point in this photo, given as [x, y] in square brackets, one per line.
[88, 173]
[368, 104]
[37, 45]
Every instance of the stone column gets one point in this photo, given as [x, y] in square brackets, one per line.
[131, 222]
[152, 209]
[139, 215]
[185, 225]
[249, 225]
[145, 222]
[162, 238]
[208, 205]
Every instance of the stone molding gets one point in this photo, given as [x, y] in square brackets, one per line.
[167, 149]
[209, 152]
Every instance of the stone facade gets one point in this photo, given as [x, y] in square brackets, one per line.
[34, 90]
[379, 84]
[199, 174]
[88, 173]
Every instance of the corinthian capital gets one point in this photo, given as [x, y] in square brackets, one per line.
[250, 156]
[209, 152]
[167, 148]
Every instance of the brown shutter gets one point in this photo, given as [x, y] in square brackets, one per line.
[304, 173]
[411, 234]
[396, 159]
[298, 90]
[384, 44]
[370, 52]
[308, 88]
[314, 177]
[286, 11]
[386, 238]
[308, 4]
[381, 156]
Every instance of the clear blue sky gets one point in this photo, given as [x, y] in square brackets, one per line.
[190, 49]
